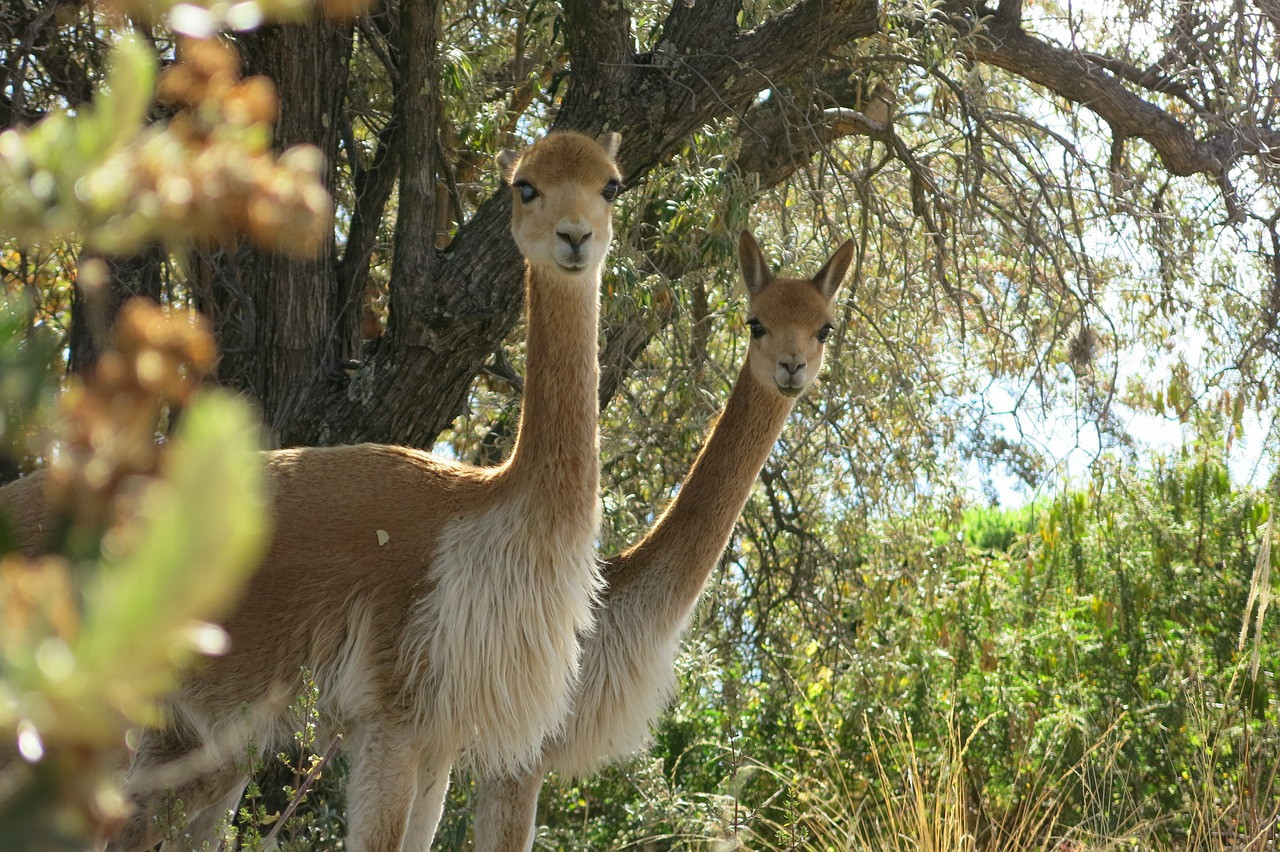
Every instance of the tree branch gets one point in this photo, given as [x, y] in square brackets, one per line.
[1152, 79]
[1270, 8]
[779, 136]
[456, 309]
[1010, 12]
[372, 193]
[1070, 74]
[598, 36]
[671, 94]
[706, 26]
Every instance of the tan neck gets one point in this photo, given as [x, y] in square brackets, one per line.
[557, 445]
[687, 540]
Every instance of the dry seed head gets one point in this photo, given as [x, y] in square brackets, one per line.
[176, 86]
[211, 171]
[210, 58]
[156, 359]
[35, 595]
[251, 101]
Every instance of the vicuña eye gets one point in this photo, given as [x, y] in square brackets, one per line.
[611, 190]
[824, 333]
[527, 192]
[757, 329]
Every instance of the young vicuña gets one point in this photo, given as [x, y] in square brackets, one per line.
[651, 589]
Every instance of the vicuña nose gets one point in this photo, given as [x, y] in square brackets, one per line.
[574, 235]
[791, 363]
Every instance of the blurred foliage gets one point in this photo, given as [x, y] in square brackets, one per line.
[145, 546]
[151, 507]
[205, 18]
[118, 182]
[27, 382]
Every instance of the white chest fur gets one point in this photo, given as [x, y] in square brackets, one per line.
[496, 643]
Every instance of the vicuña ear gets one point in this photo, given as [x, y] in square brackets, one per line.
[755, 269]
[506, 161]
[610, 142]
[831, 275]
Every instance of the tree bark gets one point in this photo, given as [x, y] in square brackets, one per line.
[279, 323]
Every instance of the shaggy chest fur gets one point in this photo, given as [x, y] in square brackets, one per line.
[627, 678]
[496, 649]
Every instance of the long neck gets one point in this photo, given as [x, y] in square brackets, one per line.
[557, 450]
[687, 540]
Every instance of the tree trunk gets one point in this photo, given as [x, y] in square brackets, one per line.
[278, 320]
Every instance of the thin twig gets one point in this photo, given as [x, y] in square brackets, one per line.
[312, 774]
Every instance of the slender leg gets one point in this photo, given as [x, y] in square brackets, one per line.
[202, 826]
[433, 783]
[384, 770]
[507, 811]
[165, 772]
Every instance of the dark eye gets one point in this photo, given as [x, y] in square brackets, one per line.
[611, 190]
[757, 330]
[824, 333]
[527, 192]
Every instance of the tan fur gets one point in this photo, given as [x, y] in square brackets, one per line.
[24, 505]
[437, 604]
[651, 589]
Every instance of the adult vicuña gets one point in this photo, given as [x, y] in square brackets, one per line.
[438, 605]
[651, 589]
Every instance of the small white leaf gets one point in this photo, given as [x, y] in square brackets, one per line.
[383, 537]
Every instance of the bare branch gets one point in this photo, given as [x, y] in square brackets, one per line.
[372, 191]
[704, 26]
[1010, 12]
[1271, 8]
[1073, 76]
[1152, 79]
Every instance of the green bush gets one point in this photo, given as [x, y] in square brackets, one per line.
[1070, 670]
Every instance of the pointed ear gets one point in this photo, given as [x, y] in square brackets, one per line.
[755, 269]
[506, 161]
[831, 275]
[610, 142]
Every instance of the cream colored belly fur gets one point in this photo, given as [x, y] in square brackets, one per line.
[627, 681]
[496, 660]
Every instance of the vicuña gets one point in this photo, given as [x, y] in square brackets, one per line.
[651, 589]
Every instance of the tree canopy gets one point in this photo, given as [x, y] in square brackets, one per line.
[1042, 197]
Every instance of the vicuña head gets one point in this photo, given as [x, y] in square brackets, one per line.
[789, 318]
[562, 192]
